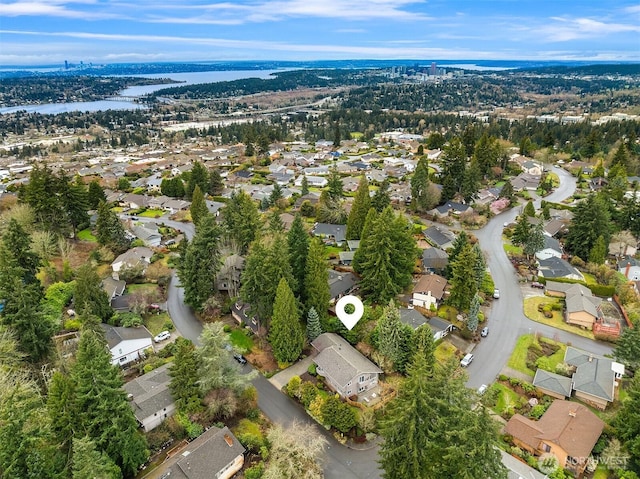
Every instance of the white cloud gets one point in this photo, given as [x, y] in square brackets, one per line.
[53, 9]
[565, 29]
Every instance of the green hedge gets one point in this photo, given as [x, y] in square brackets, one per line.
[597, 289]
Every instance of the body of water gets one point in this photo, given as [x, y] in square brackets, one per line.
[184, 79]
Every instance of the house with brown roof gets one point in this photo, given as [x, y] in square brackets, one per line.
[582, 307]
[343, 367]
[567, 430]
[429, 291]
[214, 454]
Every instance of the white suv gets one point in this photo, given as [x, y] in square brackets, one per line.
[466, 360]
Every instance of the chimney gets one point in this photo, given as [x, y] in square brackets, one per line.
[228, 440]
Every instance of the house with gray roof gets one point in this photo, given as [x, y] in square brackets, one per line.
[415, 319]
[147, 234]
[140, 256]
[113, 287]
[127, 344]
[434, 260]
[150, 397]
[216, 453]
[343, 367]
[450, 207]
[439, 237]
[595, 379]
[330, 233]
[341, 283]
[551, 247]
[630, 267]
[553, 267]
[552, 384]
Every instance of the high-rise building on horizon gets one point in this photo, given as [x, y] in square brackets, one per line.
[433, 70]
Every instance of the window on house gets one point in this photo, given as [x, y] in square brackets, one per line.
[546, 447]
[361, 388]
[361, 379]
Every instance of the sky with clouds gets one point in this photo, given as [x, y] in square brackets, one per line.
[98, 31]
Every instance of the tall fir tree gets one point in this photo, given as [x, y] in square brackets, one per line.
[359, 210]
[42, 194]
[198, 176]
[386, 256]
[89, 463]
[276, 195]
[61, 409]
[431, 430]
[395, 339]
[95, 195]
[598, 253]
[184, 377]
[335, 185]
[463, 280]
[103, 412]
[314, 329]
[454, 164]
[216, 183]
[316, 284]
[109, 230]
[74, 200]
[479, 265]
[471, 182]
[241, 220]
[474, 310]
[591, 219]
[627, 423]
[298, 241]
[381, 198]
[89, 298]
[529, 209]
[201, 262]
[535, 240]
[198, 208]
[285, 334]
[420, 192]
[304, 186]
[459, 244]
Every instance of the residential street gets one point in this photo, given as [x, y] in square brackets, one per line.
[506, 321]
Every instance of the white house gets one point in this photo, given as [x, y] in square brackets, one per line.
[551, 248]
[127, 344]
[150, 397]
[133, 258]
[428, 291]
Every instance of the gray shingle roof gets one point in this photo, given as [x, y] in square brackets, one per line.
[340, 360]
[115, 335]
[340, 282]
[553, 382]
[438, 237]
[594, 374]
[557, 268]
[150, 392]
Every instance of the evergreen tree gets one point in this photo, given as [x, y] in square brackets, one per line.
[61, 408]
[298, 241]
[522, 231]
[198, 176]
[395, 339]
[73, 196]
[598, 253]
[313, 324]
[386, 256]
[621, 156]
[471, 182]
[487, 153]
[184, 377]
[316, 283]
[276, 194]
[241, 220]
[359, 210]
[463, 281]
[507, 191]
[461, 241]
[535, 240]
[431, 430]
[216, 367]
[103, 412]
[479, 265]
[381, 198]
[89, 463]
[627, 349]
[334, 185]
[267, 263]
[304, 186]
[627, 423]
[216, 184]
[454, 164]
[424, 344]
[529, 209]
[336, 135]
[474, 309]
[109, 230]
[420, 195]
[42, 195]
[591, 219]
[17, 253]
[275, 224]
[95, 195]
[89, 298]
[285, 334]
[198, 206]
[201, 262]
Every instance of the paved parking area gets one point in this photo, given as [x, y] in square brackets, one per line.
[298, 369]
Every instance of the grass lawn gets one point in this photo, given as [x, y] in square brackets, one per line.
[601, 473]
[146, 287]
[445, 351]
[589, 278]
[332, 251]
[85, 235]
[152, 214]
[155, 322]
[512, 249]
[240, 340]
[507, 399]
[518, 359]
[356, 135]
[531, 312]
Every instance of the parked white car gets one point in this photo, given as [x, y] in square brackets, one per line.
[162, 336]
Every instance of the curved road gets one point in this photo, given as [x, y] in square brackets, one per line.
[507, 321]
[340, 462]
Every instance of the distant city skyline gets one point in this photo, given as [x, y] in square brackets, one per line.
[42, 32]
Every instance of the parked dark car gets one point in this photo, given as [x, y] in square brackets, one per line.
[535, 284]
[240, 358]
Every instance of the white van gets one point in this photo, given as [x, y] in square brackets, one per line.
[466, 360]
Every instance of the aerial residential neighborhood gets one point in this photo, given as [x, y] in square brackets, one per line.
[174, 278]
